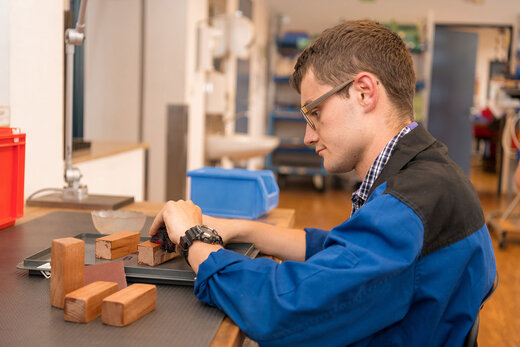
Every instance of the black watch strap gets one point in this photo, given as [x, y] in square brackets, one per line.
[198, 233]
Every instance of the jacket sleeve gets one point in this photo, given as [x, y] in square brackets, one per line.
[314, 241]
[360, 282]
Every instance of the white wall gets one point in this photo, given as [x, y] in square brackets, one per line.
[124, 177]
[112, 70]
[259, 75]
[4, 52]
[310, 16]
[164, 81]
[36, 87]
[230, 71]
[170, 78]
[258, 81]
[112, 80]
[194, 86]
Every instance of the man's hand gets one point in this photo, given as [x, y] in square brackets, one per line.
[177, 216]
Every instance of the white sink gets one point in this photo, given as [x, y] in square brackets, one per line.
[239, 146]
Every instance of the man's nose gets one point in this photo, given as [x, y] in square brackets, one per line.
[311, 136]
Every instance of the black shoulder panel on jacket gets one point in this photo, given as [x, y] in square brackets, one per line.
[422, 176]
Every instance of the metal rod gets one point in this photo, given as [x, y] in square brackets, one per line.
[74, 191]
[511, 207]
[80, 24]
[69, 95]
[141, 72]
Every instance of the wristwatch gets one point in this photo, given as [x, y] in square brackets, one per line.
[201, 233]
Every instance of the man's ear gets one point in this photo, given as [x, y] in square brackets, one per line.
[368, 92]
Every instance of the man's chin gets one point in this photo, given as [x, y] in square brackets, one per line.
[336, 170]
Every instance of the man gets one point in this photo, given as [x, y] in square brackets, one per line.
[411, 265]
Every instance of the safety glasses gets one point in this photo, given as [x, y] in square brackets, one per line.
[312, 105]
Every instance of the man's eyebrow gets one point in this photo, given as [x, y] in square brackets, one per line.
[307, 102]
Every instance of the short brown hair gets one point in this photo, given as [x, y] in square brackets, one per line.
[340, 52]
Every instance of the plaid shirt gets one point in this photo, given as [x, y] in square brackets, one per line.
[360, 196]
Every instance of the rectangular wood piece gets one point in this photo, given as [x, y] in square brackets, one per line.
[117, 245]
[84, 304]
[129, 304]
[67, 268]
[151, 254]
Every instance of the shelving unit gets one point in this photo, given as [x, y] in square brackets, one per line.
[292, 157]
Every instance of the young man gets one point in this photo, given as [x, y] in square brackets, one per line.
[411, 265]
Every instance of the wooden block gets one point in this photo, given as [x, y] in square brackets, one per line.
[67, 268]
[129, 304]
[151, 254]
[117, 245]
[84, 304]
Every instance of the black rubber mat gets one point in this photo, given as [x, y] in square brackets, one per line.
[27, 318]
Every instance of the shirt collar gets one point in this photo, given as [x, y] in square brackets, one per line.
[360, 196]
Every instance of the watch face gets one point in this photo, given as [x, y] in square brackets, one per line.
[206, 229]
[208, 235]
[206, 232]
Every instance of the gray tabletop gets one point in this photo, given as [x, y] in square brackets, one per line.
[28, 319]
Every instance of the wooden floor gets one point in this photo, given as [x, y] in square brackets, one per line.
[500, 318]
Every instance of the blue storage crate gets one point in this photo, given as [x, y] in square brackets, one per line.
[234, 193]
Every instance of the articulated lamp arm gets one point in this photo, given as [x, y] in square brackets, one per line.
[73, 37]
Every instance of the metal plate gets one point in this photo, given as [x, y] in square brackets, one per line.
[175, 271]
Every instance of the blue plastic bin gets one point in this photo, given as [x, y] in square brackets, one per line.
[234, 193]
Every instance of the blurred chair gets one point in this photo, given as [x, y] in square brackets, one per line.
[486, 131]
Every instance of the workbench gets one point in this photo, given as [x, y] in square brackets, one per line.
[27, 318]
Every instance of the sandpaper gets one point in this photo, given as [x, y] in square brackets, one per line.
[109, 272]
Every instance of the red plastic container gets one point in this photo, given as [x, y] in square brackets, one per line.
[12, 167]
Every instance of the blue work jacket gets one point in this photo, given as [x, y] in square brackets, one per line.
[409, 268]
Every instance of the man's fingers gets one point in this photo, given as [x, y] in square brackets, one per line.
[157, 223]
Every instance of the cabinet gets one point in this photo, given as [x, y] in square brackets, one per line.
[292, 157]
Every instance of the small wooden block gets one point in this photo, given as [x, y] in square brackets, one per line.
[67, 268]
[84, 304]
[117, 245]
[129, 304]
[151, 254]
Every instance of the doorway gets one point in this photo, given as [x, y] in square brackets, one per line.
[467, 59]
